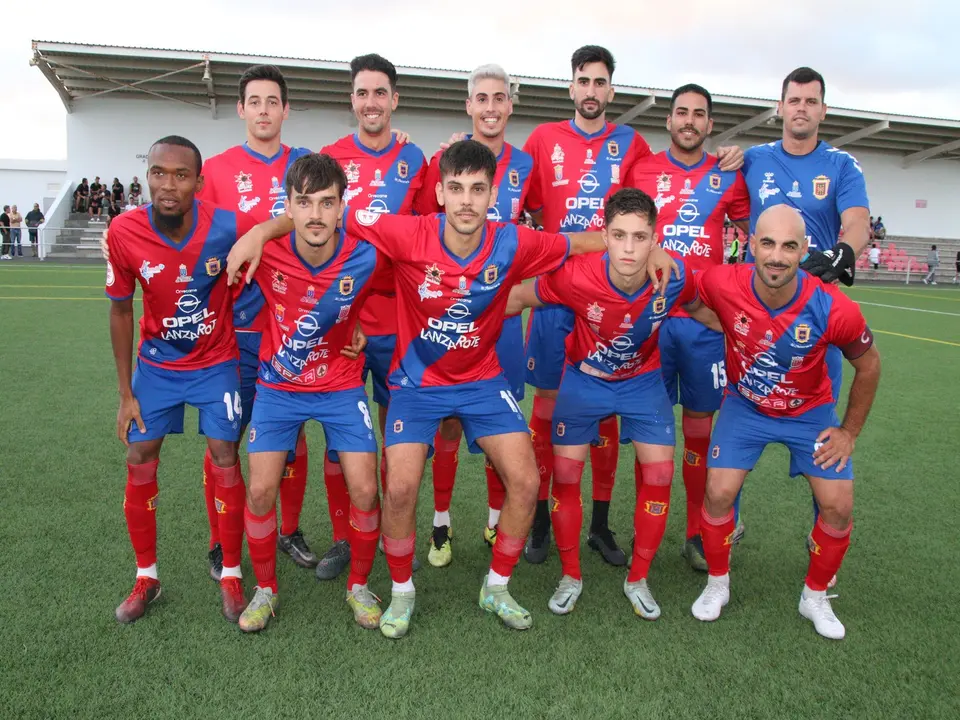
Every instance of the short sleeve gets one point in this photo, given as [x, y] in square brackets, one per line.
[121, 280]
[539, 252]
[846, 326]
[426, 199]
[853, 188]
[739, 206]
[689, 292]
[245, 223]
[639, 149]
[554, 288]
[389, 234]
[208, 193]
[418, 182]
[534, 201]
[704, 282]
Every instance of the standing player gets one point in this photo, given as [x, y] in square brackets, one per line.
[383, 176]
[613, 368]
[327, 275]
[779, 323]
[187, 354]
[446, 364]
[693, 198]
[489, 104]
[577, 163]
[250, 177]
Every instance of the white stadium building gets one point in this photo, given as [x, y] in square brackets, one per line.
[120, 99]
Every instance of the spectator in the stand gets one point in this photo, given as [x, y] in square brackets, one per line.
[956, 275]
[117, 191]
[879, 231]
[5, 233]
[16, 220]
[933, 260]
[81, 196]
[872, 236]
[733, 256]
[113, 209]
[96, 187]
[875, 260]
[131, 205]
[34, 220]
[96, 203]
[135, 191]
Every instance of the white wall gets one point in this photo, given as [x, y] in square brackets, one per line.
[25, 182]
[110, 137]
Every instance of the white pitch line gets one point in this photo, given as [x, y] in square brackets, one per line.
[900, 307]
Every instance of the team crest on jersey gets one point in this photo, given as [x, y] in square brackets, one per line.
[279, 283]
[561, 429]
[659, 305]
[402, 169]
[278, 312]
[595, 313]
[714, 181]
[352, 171]
[346, 285]
[514, 177]
[490, 275]
[613, 148]
[184, 276]
[557, 156]
[398, 426]
[821, 187]
[801, 333]
[213, 266]
[244, 182]
[652, 507]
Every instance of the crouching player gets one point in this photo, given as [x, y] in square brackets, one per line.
[314, 284]
[613, 368]
[779, 323]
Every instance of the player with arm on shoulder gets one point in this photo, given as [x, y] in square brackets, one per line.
[693, 197]
[303, 376]
[779, 322]
[187, 355]
[577, 164]
[613, 369]
[489, 104]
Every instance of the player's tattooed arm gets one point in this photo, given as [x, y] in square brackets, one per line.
[703, 315]
[523, 296]
[121, 338]
[839, 442]
[730, 157]
[248, 249]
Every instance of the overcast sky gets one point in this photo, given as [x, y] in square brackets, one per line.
[896, 57]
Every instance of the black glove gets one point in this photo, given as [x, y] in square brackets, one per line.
[832, 265]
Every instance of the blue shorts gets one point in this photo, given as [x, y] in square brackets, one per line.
[584, 400]
[484, 408]
[741, 434]
[249, 343]
[378, 354]
[279, 414]
[547, 331]
[163, 393]
[511, 354]
[692, 359]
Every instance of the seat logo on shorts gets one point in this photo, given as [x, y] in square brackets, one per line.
[561, 429]
[253, 434]
[398, 426]
[715, 453]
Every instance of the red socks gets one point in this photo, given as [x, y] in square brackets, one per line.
[338, 499]
[230, 500]
[541, 425]
[293, 487]
[567, 513]
[506, 554]
[400, 557]
[444, 471]
[364, 533]
[650, 516]
[696, 443]
[262, 544]
[829, 547]
[717, 536]
[603, 459]
[140, 510]
[496, 491]
[209, 495]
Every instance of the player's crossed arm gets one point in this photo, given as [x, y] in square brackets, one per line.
[703, 315]
[249, 249]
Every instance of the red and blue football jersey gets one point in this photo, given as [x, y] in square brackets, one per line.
[311, 314]
[776, 358]
[575, 172]
[514, 170]
[260, 184]
[187, 321]
[382, 181]
[450, 310]
[614, 334]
